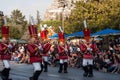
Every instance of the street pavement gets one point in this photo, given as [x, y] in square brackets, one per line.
[24, 71]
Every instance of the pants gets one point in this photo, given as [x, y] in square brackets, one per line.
[45, 62]
[38, 67]
[63, 63]
[6, 70]
[6, 63]
[87, 62]
[45, 58]
[88, 67]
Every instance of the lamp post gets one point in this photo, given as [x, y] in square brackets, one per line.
[62, 4]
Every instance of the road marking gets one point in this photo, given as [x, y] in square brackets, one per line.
[53, 75]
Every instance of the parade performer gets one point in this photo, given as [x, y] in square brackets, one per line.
[62, 51]
[87, 54]
[88, 61]
[46, 52]
[35, 55]
[5, 52]
[43, 32]
[46, 46]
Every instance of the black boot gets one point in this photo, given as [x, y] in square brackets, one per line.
[90, 71]
[85, 68]
[65, 67]
[5, 74]
[42, 67]
[45, 67]
[60, 68]
[35, 75]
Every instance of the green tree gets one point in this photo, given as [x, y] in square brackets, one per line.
[1, 19]
[99, 14]
[15, 32]
[1, 23]
[18, 18]
[17, 24]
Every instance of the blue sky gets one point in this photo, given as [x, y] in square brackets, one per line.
[27, 7]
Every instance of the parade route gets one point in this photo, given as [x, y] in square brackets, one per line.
[24, 71]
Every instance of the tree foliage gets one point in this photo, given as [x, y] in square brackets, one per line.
[17, 24]
[1, 21]
[99, 14]
[18, 18]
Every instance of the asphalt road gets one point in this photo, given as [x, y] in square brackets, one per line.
[24, 71]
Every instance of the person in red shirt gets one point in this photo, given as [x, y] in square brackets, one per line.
[34, 51]
[62, 51]
[63, 57]
[5, 56]
[5, 50]
[90, 49]
[35, 58]
[46, 46]
[46, 51]
[87, 53]
[88, 61]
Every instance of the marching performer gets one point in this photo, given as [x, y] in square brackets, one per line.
[46, 52]
[5, 52]
[43, 32]
[88, 61]
[46, 46]
[62, 51]
[35, 55]
[87, 53]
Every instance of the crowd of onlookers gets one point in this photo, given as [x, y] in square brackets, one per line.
[20, 54]
[106, 59]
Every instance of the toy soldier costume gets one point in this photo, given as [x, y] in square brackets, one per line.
[35, 55]
[87, 54]
[63, 56]
[5, 52]
[46, 47]
[46, 50]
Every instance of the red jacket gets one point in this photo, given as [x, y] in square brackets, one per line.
[87, 55]
[61, 36]
[5, 52]
[46, 48]
[43, 34]
[94, 47]
[83, 47]
[62, 53]
[35, 56]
